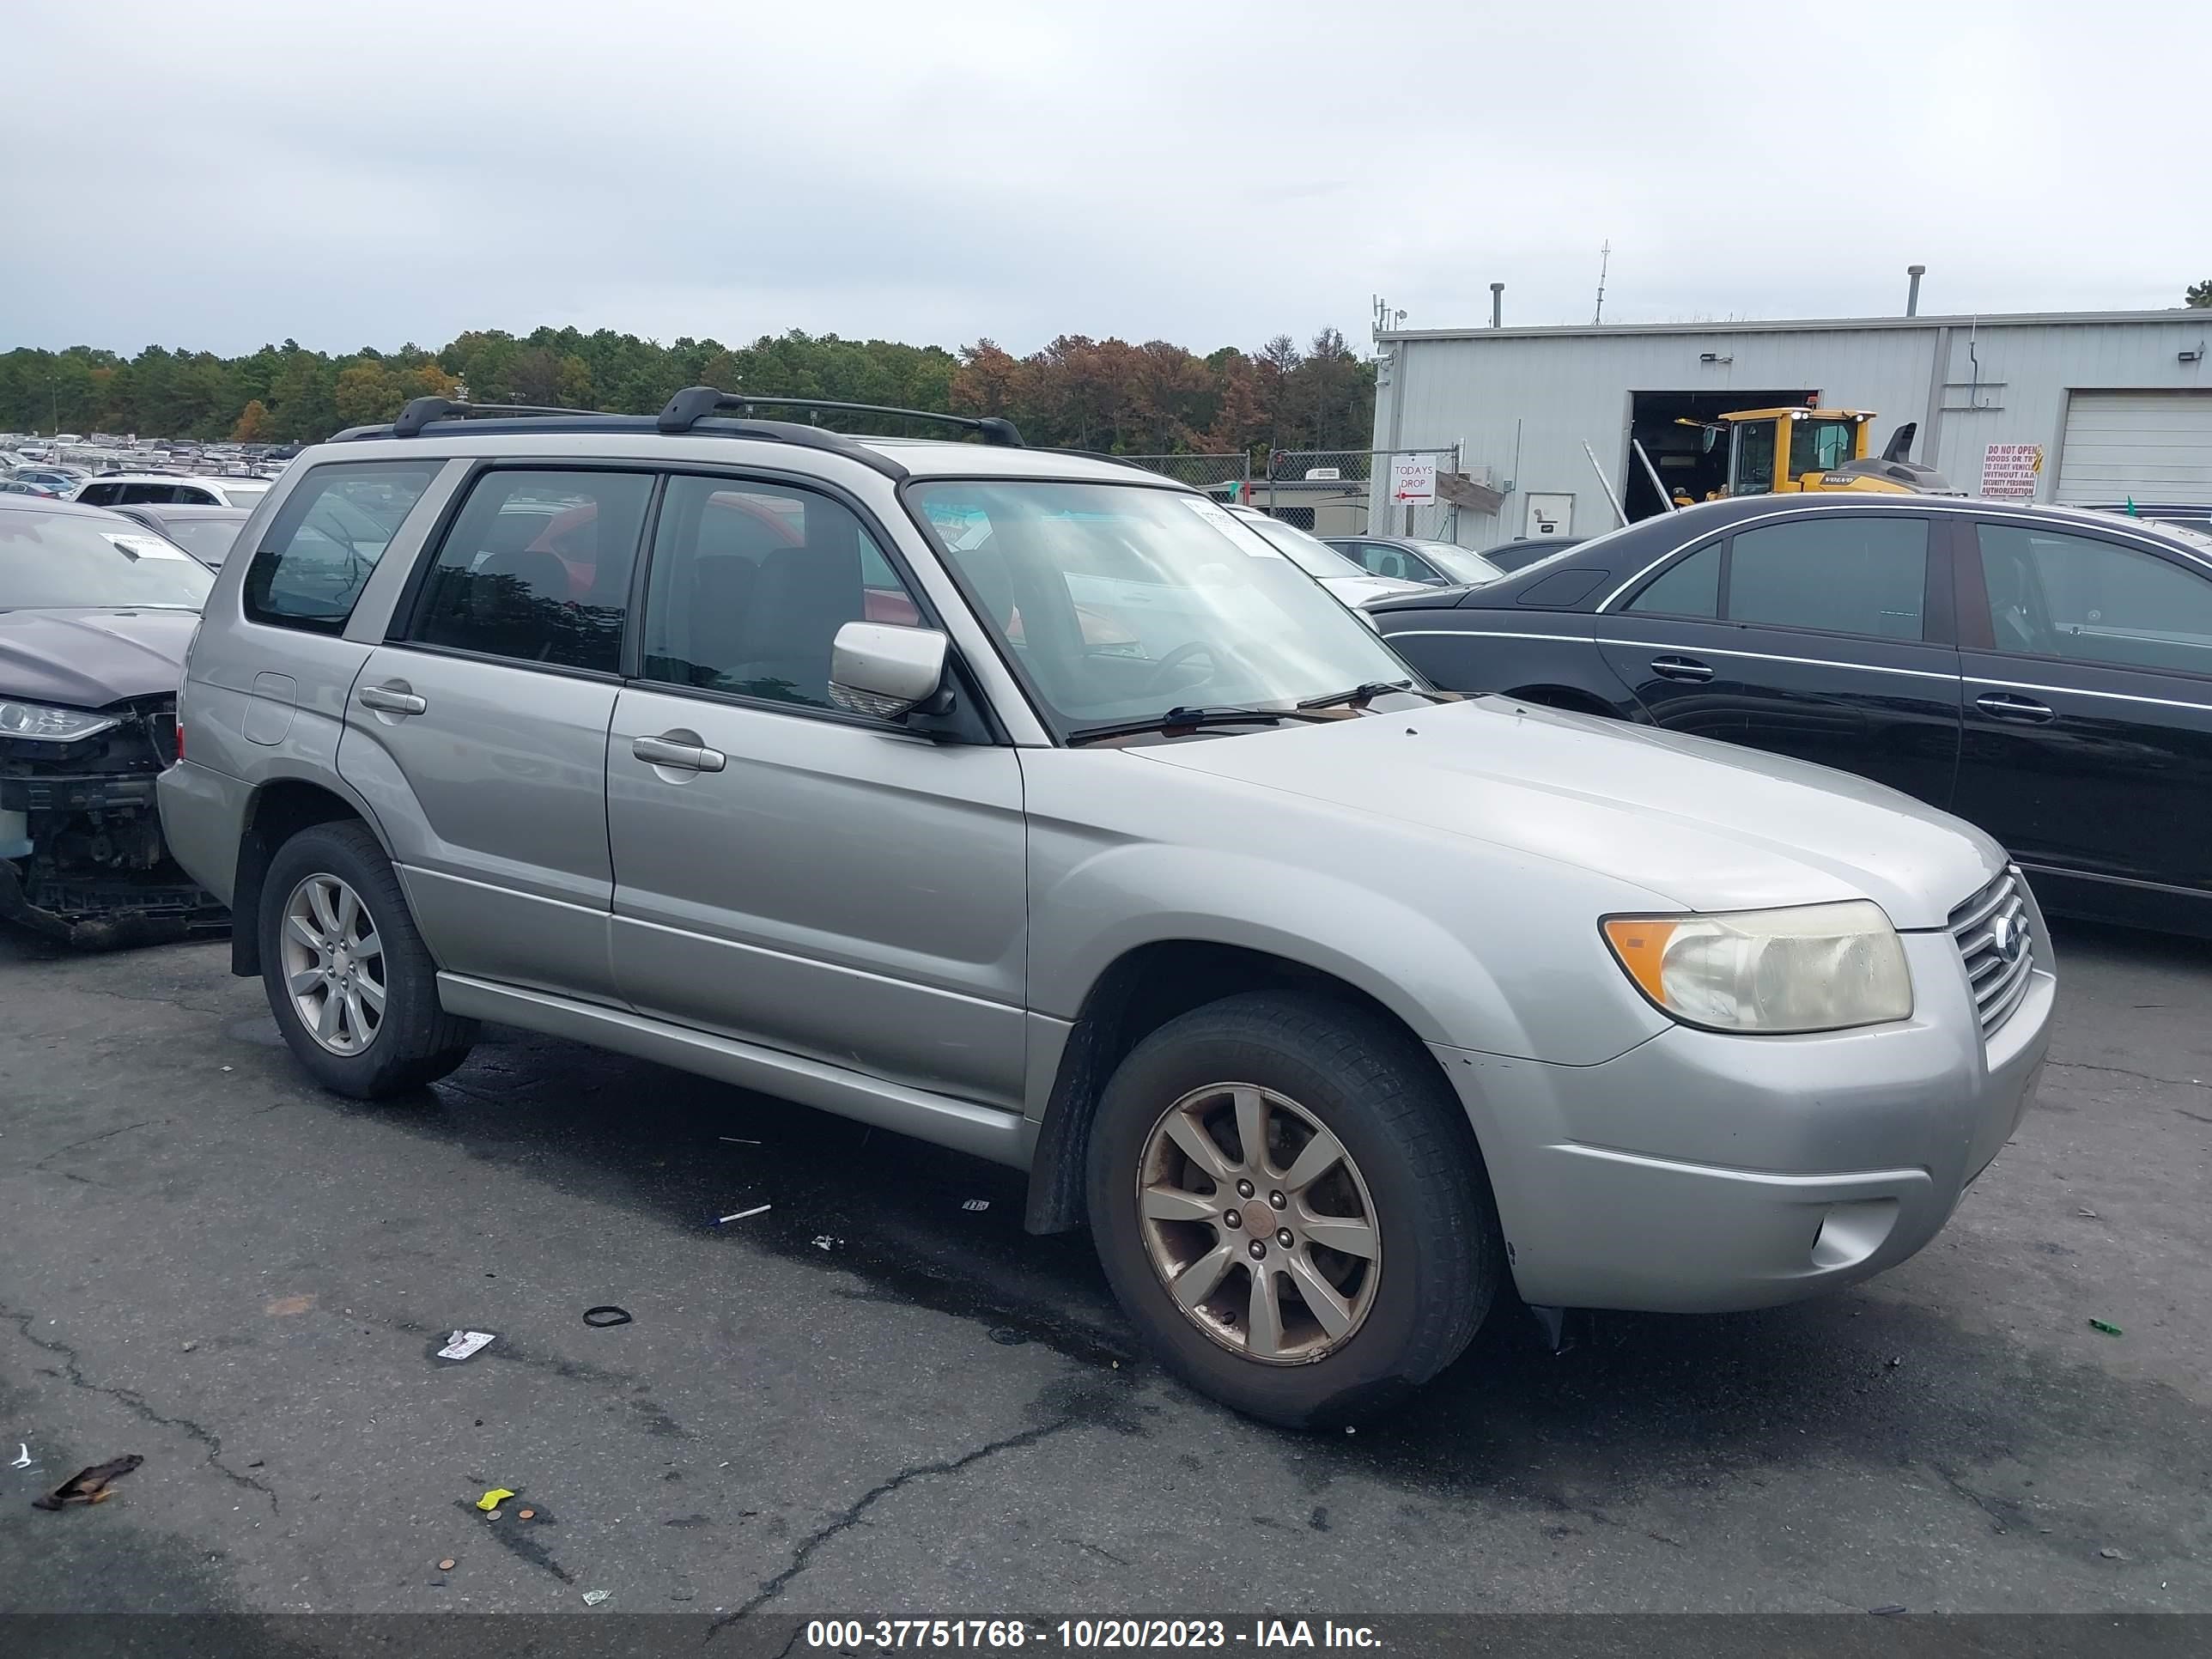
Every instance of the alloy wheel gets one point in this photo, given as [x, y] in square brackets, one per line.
[1259, 1224]
[333, 964]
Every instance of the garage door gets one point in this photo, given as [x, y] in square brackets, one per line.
[2152, 446]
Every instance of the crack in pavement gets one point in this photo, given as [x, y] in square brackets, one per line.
[88, 1140]
[850, 1516]
[2123, 1070]
[1996, 1519]
[73, 1372]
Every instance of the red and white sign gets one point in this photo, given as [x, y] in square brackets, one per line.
[1413, 480]
[2008, 471]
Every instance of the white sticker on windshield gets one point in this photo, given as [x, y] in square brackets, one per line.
[145, 547]
[1248, 539]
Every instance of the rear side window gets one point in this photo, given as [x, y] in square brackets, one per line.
[320, 550]
[537, 568]
[99, 495]
[1847, 574]
[1691, 588]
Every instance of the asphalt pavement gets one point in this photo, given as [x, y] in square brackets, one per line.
[876, 1395]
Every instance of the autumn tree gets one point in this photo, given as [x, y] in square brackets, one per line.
[255, 425]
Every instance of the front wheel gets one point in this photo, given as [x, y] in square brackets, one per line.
[354, 988]
[1288, 1202]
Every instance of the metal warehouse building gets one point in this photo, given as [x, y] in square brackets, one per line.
[2111, 405]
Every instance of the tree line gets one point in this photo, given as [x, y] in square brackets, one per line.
[1077, 392]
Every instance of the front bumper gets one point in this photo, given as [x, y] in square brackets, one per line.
[1699, 1173]
[86, 864]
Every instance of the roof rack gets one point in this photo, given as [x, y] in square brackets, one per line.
[694, 404]
[421, 411]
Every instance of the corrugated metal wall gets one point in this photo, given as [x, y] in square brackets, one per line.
[1968, 383]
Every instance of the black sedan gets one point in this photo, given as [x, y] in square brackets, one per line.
[2046, 673]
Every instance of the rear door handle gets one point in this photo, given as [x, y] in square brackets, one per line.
[680, 749]
[1680, 668]
[392, 697]
[2004, 706]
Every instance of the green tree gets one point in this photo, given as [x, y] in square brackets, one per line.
[2200, 293]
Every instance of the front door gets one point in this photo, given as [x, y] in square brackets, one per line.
[478, 733]
[2088, 733]
[786, 872]
[1825, 638]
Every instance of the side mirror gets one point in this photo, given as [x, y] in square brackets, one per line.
[884, 672]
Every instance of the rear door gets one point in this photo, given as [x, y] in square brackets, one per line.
[477, 730]
[1825, 638]
[2088, 716]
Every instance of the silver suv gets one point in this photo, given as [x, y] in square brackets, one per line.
[1033, 804]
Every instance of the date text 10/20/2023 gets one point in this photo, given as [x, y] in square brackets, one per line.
[857, 1635]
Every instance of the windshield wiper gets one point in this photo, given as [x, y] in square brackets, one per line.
[1366, 692]
[1184, 715]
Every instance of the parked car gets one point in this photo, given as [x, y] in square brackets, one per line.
[42, 481]
[156, 489]
[205, 532]
[1320, 560]
[2046, 673]
[1406, 558]
[95, 613]
[1334, 1006]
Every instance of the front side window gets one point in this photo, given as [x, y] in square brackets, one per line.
[2086, 600]
[537, 568]
[1845, 574]
[1118, 602]
[69, 561]
[1691, 588]
[1751, 470]
[320, 550]
[750, 583]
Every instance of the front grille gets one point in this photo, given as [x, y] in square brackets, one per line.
[1984, 925]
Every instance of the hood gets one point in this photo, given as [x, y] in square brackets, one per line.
[89, 658]
[1701, 825]
[1356, 591]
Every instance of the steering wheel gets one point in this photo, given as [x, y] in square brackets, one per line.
[1175, 660]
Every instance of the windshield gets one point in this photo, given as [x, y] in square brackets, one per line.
[205, 539]
[1116, 602]
[60, 560]
[1458, 563]
[1315, 558]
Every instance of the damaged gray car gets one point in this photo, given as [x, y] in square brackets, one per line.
[95, 613]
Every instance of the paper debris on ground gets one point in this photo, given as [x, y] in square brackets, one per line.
[757, 1209]
[492, 1499]
[977, 1204]
[462, 1344]
[593, 1598]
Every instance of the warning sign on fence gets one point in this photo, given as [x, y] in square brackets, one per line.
[2010, 470]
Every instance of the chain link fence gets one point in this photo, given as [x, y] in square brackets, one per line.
[1346, 492]
[1226, 477]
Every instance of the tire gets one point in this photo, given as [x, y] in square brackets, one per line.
[1411, 1166]
[412, 1041]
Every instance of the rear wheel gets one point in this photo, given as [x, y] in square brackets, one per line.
[352, 985]
[1288, 1202]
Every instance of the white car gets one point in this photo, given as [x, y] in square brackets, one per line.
[169, 489]
[1322, 563]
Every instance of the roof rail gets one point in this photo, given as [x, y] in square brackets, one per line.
[421, 411]
[694, 404]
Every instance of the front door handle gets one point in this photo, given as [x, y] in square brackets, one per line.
[2005, 705]
[392, 697]
[680, 749]
[1680, 668]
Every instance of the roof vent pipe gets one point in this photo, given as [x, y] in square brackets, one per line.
[1913, 293]
[1497, 305]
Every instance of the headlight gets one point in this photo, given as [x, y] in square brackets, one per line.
[42, 724]
[1811, 967]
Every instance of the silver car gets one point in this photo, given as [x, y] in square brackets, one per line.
[1034, 805]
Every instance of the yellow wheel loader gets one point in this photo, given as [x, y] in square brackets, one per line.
[1783, 451]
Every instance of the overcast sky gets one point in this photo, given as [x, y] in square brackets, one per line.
[218, 175]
